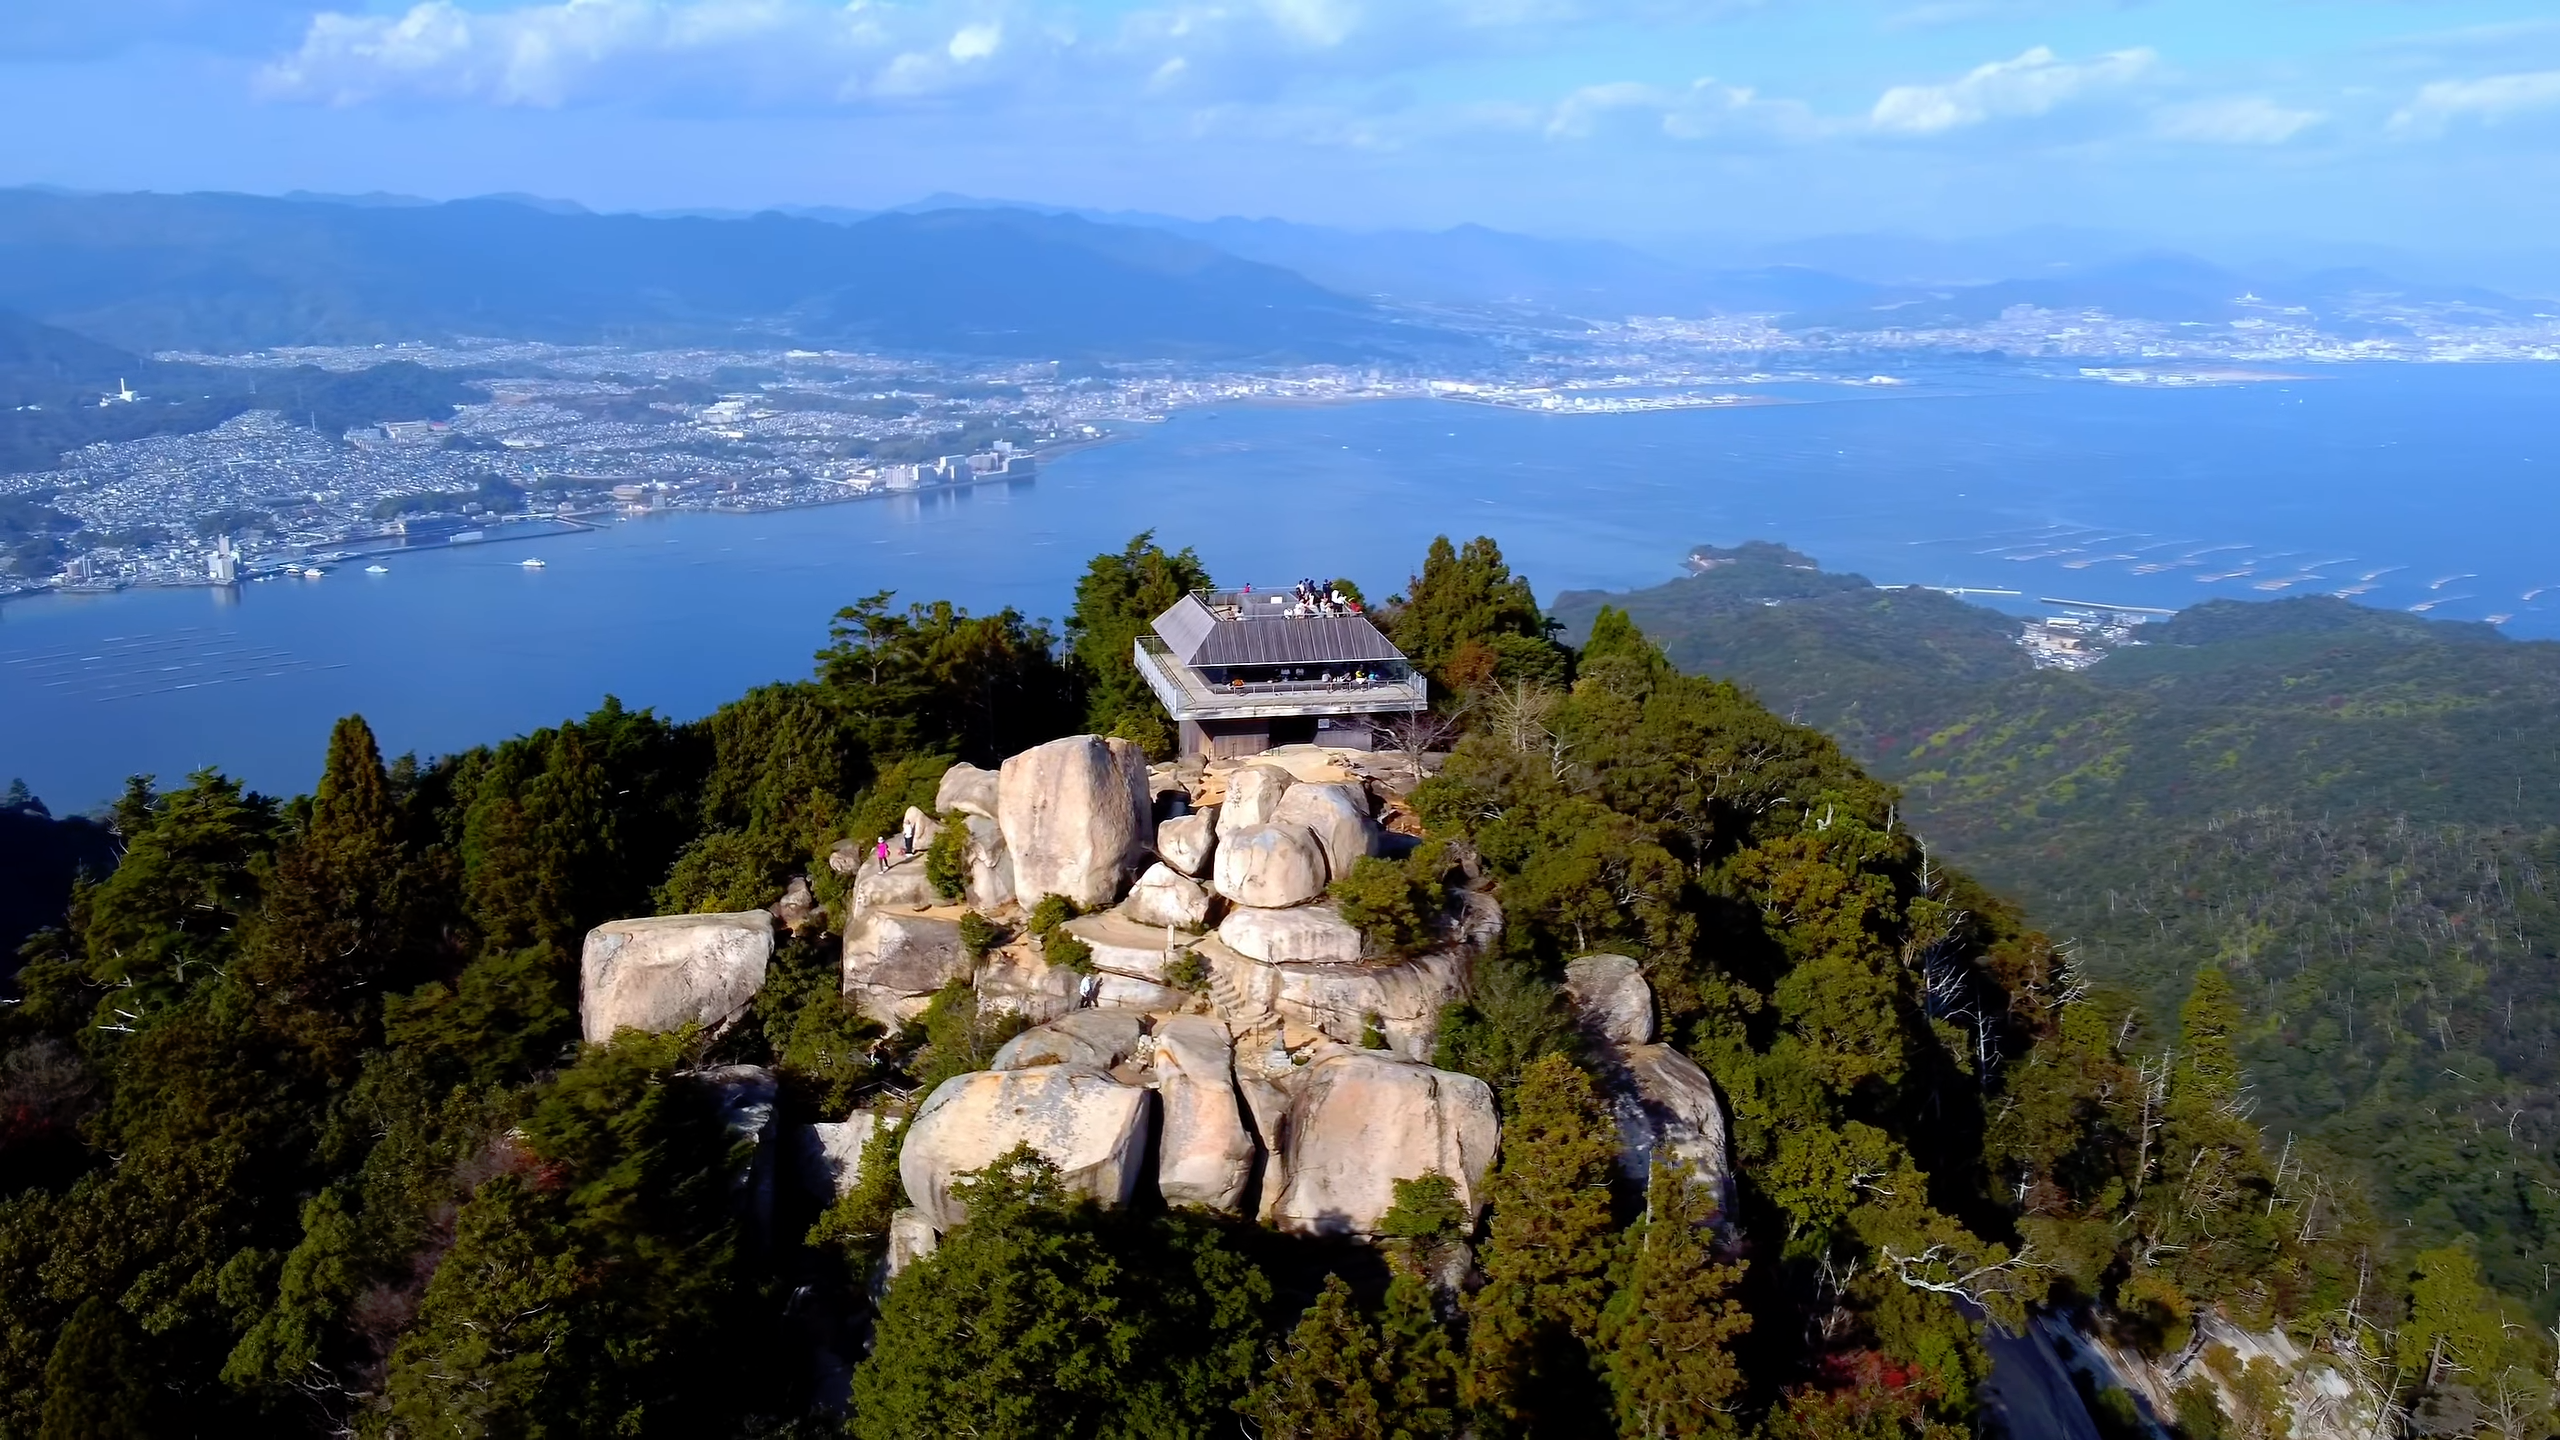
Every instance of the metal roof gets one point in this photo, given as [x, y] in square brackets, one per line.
[1198, 636]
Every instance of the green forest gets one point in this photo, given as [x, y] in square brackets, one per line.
[2354, 814]
[298, 1136]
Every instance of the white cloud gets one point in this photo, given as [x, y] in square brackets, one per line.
[1703, 109]
[1323, 24]
[553, 54]
[2487, 100]
[2240, 120]
[2033, 84]
[713, 53]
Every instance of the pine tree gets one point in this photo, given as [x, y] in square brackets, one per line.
[1669, 1329]
[2207, 1076]
[1116, 601]
[2454, 1322]
[1546, 1259]
[1467, 621]
[1417, 1363]
[1042, 1317]
[94, 1387]
[2208, 1207]
[1323, 1382]
[1340, 1377]
[333, 912]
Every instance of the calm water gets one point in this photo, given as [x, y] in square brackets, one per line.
[2432, 481]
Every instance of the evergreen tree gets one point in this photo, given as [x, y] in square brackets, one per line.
[1116, 602]
[2454, 1322]
[935, 678]
[1669, 1329]
[334, 914]
[2206, 1082]
[1040, 1318]
[1468, 622]
[784, 760]
[168, 920]
[1530, 1369]
[1340, 1377]
[94, 1388]
[593, 1285]
[1420, 1363]
[2205, 1212]
[1323, 1381]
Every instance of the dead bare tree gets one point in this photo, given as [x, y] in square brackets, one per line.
[1420, 732]
[1997, 1285]
[1518, 714]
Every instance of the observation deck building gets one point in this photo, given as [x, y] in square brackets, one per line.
[1243, 671]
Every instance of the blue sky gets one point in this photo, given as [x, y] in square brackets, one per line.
[2426, 123]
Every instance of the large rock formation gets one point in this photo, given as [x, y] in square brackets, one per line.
[1129, 963]
[1336, 817]
[1357, 1122]
[1122, 946]
[968, 790]
[827, 1157]
[1312, 934]
[1205, 1153]
[1100, 1039]
[1268, 866]
[662, 972]
[1187, 841]
[1253, 796]
[1666, 1107]
[924, 826]
[893, 962]
[798, 906]
[1164, 896]
[911, 1238]
[1125, 992]
[1016, 980]
[990, 883]
[1610, 998]
[745, 1095]
[1403, 999]
[902, 886]
[1076, 818]
[1090, 1126]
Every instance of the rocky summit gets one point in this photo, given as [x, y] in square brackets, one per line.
[1235, 1044]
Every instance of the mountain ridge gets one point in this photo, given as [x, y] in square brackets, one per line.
[2356, 810]
[234, 272]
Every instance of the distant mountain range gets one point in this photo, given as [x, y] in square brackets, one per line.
[2179, 289]
[965, 277]
[1473, 265]
[1844, 282]
[233, 272]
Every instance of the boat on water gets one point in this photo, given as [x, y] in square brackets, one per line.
[534, 565]
[312, 574]
[377, 569]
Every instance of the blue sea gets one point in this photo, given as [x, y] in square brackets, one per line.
[2428, 488]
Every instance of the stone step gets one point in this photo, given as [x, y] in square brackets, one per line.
[1243, 1005]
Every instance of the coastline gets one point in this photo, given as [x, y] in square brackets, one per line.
[369, 547]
